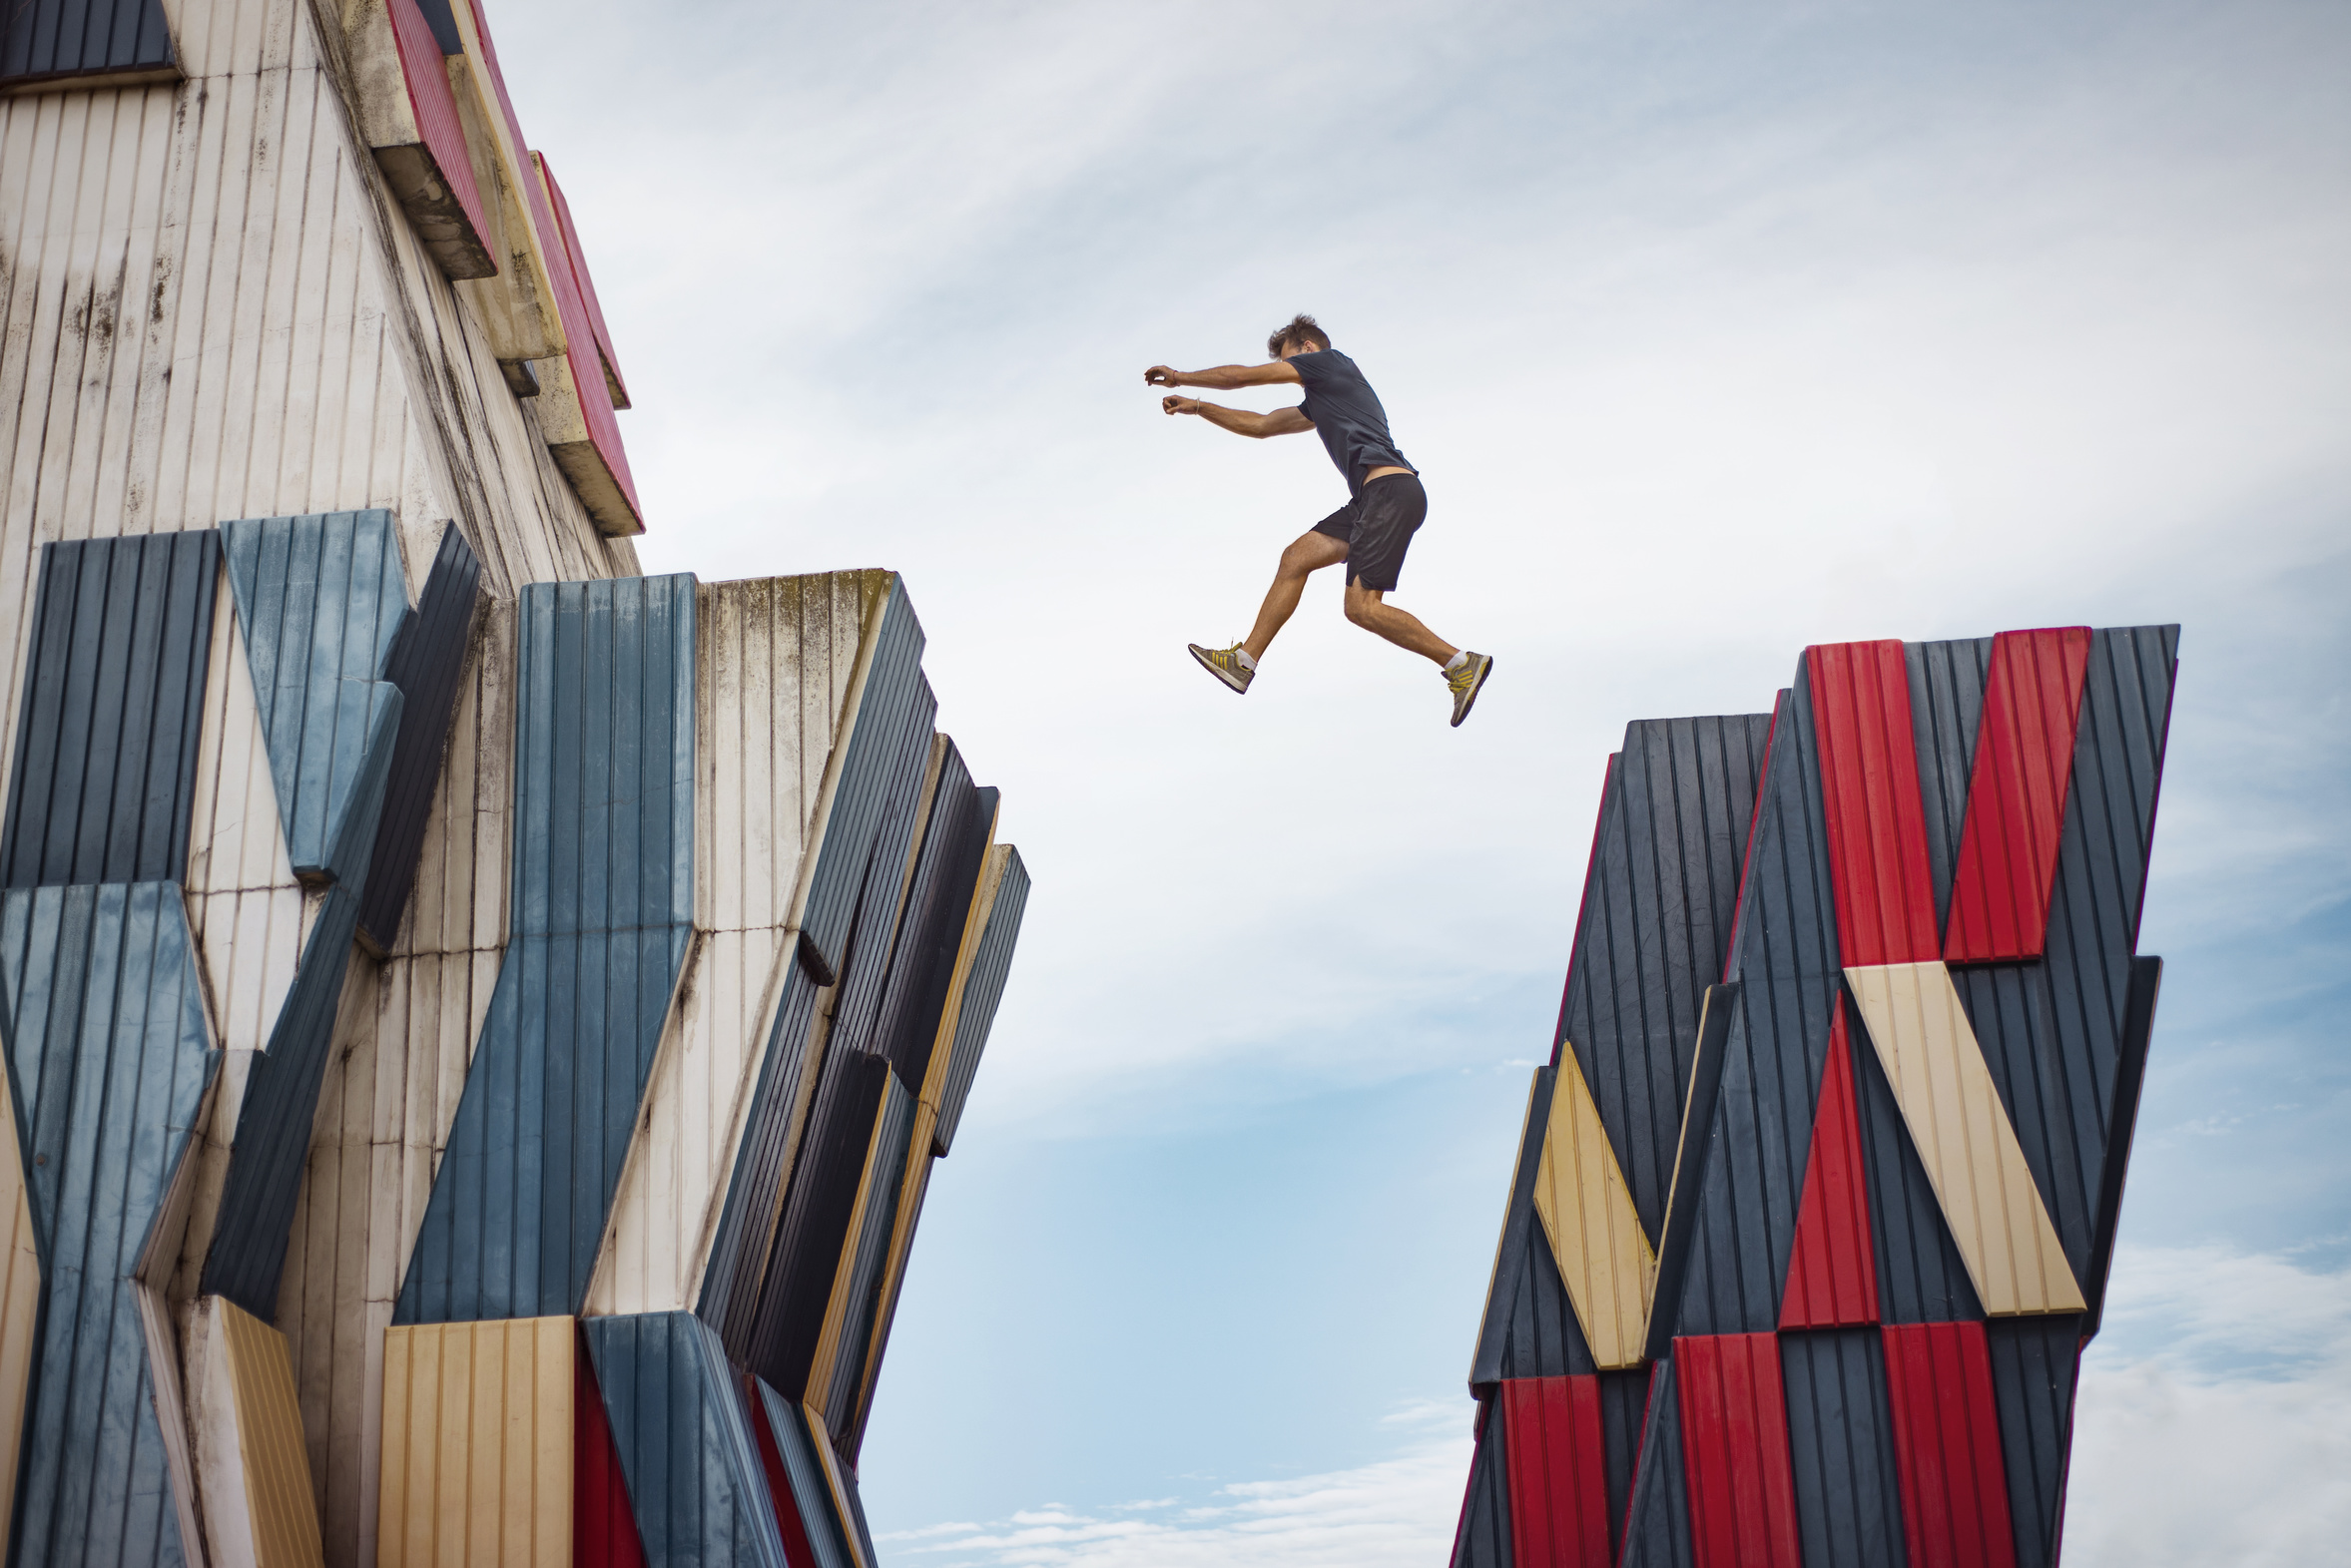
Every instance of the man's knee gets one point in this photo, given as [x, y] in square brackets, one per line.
[1363, 604]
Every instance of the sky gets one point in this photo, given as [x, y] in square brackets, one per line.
[1715, 331]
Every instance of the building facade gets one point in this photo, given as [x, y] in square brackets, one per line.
[479, 1020]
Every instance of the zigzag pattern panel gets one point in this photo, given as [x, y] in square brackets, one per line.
[1841, 1449]
[1656, 924]
[696, 1483]
[321, 599]
[1947, 1443]
[61, 40]
[1482, 1537]
[1874, 815]
[105, 770]
[2008, 856]
[102, 990]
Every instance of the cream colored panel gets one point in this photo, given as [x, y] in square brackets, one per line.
[252, 1467]
[1954, 1116]
[1596, 1234]
[477, 1444]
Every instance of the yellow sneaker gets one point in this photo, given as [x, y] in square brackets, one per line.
[1225, 664]
[1464, 683]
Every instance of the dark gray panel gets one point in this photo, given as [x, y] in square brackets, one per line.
[1482, 1538]
[923, 965]
[803, 1473]
[1493, 1361]
[982, 992]
[771, 1143]
[106, 740]
[2147, 983]
[72, 38]
[1945, 709]
[868, 1254]
[864, 959]
[1658, 1524]
[1682, 1218]
[1841, 1449]
[2035, 1363]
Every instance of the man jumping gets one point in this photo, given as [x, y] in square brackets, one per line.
[1370, 533]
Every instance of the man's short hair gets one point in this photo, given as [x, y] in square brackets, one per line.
[1299, 329]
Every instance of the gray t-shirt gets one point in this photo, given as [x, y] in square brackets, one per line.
[1347, 415]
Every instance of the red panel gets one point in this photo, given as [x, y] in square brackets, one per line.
[1771, 737]
[1734, 1440]
[579, 257]
[434, 104]
[603, 1526]
[1955, 1493]
[2008, 856]
[797, 1550]
[1877, 822]
[1832, 1270]
[1558, 1471]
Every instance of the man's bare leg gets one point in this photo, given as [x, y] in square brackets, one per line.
[1367, 608]
[1306, 554]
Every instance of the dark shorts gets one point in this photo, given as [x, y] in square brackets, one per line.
[1377, 527]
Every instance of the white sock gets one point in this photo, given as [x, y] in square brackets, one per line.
[1241, 657]
[1460, 657]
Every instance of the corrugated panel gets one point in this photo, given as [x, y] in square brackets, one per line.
[1833, 1268]
[1734, 1435]
[865, 960]
[614, 386]
[52, 42]
[478, 1436]
[1658, 1519]
[1558, 1471]
[1679, 1240]
[914, 1185]
[428, 664]
[2008, 856]
[2035, 1364]
[1654, 926]
[695, 1479]
[2146, 982]
[518, 308]
[1955, 1499]
[603, 1527]
[844, 1488]
[1481, 1539]
[837, 1371]
[105, 772]
[20, 1301]
[1946, 707]
[1874, 816]
[1759, 1139]
[771, 1148]
[101, 988]
[938, 910]
[1956, 1119]
[799, 1548]
[1921, 1275]
[273, 1125]
[1496, 1356]
[1841, 1447]
[408, 114]
[321, 600]
[575, 402]
[1595, 1236]
[270, 1442]
[808, 1477]
[991, 965]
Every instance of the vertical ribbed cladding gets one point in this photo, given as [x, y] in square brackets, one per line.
[938, 901]
[63, 39]
[103, 776]
[1841, 1443]
[772, 1143]
[102, 991]
[1734, 1429]
[919, 1161]
[603, 1526]
[603, 891]
[1872, 810]
[2146, 985]
[1947, 1447]
[1482, 1538]
[248, 1254]
[1759, 1137]
[840, 1371]
[1946, 709]
[426, 664]
[1507, 1334]
[1922, 1278]
[891, 687]
[2016, 797]
[679, 1418]
[819, 1211]
[2036, 1363]
[481, 1425]
[1657, 1517]
[1570, 1442]
[984, 992]
[804, 1474]
[269, 1449]
[864, 968]
[1655, 921]
[321, 600]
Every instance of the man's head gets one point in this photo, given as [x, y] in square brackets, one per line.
[1299, 336]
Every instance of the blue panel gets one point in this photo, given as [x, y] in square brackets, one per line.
[867, 958]
[105, 775]
[72, 38]
[1841, 1449]
[109, 1058]
[321, 600]
[1658, 1524]
[686, 1446]
[2034, 1364]
[273, 1125]
[754, 1192]
[817, 1222]
[427, 663]
[930, 931]
[982, 992]
[812, 1492]
[1482, 1538]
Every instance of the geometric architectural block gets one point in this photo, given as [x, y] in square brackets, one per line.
[1482, 1538]
[411, 124]
[1657, 1515]
[51, 44]
[1595, 1236]
[576, 389]
[1833, 1268]
[1955, 1500]
[478, 1434]
[1955, 1117]
[1558, 1470]
[604, 1527]
[800, 1476]
[248, 1425]
[1841, 1446]
[2008, 849]
[1877, 831]
[1734, 1435]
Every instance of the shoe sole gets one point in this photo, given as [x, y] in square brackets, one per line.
[1238, 688]
[1485, 669]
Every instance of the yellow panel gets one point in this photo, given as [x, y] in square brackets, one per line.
[841, 1507]
[270, 1442]
[477, 1444]
[20, 1301]
[1952, 1110]
[1596, 1234]
[984, 902]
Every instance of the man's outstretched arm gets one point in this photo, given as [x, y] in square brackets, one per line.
[1282, 421]
[1225, 377]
